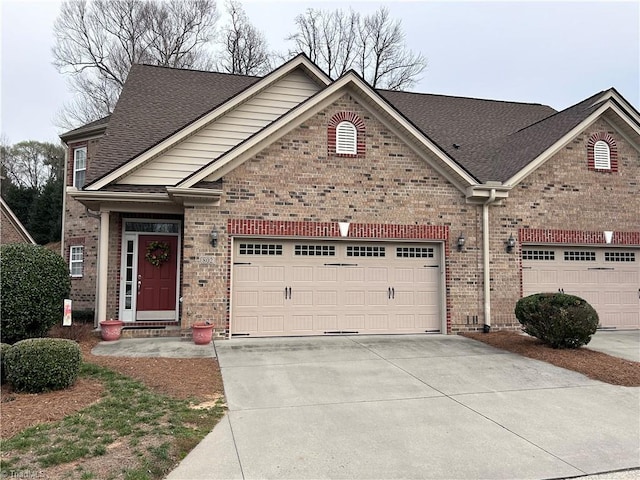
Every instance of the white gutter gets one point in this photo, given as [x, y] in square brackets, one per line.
[485, 259]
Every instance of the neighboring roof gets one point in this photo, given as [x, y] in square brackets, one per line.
[17, 224]
[155, 103]
[91, 128]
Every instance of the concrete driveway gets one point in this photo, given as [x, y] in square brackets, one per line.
[619, 343]
[409, 407]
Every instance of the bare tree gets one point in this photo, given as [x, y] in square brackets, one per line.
[97, 41]
[373, 45]
[31, 164]
[328, 38]
[245, 49]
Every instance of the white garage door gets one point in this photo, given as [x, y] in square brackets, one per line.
[609, 279]
[292, 287]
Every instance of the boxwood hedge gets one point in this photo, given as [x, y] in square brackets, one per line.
[40, 364]
[559, 320]
[34, 282]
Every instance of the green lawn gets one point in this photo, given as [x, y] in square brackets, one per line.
[154, 430]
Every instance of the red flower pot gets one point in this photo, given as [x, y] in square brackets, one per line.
[110, 330]
[202, 333]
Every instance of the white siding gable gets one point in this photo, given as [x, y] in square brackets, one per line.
[225, 132]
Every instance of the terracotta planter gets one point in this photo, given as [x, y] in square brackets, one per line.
[202, 333]
[110, 330]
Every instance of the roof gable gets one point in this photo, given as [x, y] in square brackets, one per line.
[350, 82]
[160, 106]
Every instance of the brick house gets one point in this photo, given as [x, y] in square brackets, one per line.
[11, 228]
[294, 204]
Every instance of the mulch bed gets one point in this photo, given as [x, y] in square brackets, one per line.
[596, 365]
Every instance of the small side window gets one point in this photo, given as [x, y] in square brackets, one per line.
[76, 260]
[346, 138]
[79, 166]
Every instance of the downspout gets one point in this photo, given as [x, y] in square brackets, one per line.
[485, 259]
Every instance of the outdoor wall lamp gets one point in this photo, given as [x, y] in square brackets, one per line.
[461, 241]
[213, 237]
[511, 243]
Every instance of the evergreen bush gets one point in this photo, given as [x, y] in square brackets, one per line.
[4, 348]
[559, 320]
[34, 282]
[41, 364]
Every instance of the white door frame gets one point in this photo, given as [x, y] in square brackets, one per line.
[129, 314]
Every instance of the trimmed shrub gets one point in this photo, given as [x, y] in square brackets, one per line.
[4, 348]
[40, 364]
[34, 282]
[558, 319]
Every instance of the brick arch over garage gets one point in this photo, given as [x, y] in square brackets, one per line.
[360, 131]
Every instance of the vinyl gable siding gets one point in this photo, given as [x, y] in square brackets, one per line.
[226, 132]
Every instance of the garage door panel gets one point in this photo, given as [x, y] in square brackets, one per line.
[377, 322]
[325, 274]
[248, 298]
[245, 273]
[377, 274]
[273, 324]
[272, 274]
[351, 322]
[325, 298]
[302, 323]
[325, 323]
[272, 298]
[354, 274]
[355, 298]
[377, 298]
[302, 274]
[301, 297]
[364, 287]
[608, 278]
[404, 298]
[246, 323]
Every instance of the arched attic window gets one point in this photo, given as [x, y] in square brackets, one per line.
[346, 135]
[346, 138]
[602, 153]
[601, 156]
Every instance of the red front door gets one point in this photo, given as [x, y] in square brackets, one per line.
[157, 282]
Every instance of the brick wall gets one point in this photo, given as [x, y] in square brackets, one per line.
[81, 229]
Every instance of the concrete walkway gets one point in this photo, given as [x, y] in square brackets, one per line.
[410, 407]
[171, 347]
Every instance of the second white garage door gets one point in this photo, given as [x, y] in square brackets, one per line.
[607, 278]
[292, 287]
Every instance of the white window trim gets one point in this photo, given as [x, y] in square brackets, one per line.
[75, 165]
[601, 155]
[346, 138]
[73, 262]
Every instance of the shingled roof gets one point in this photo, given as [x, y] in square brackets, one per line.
[490, 139]
[154, 104]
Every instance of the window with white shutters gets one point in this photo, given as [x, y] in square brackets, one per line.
[346, 138]
[601, 155]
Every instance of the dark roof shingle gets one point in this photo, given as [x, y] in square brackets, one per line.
[493, 139]
[155, 103]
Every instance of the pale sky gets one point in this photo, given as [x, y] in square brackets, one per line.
[553, 53]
